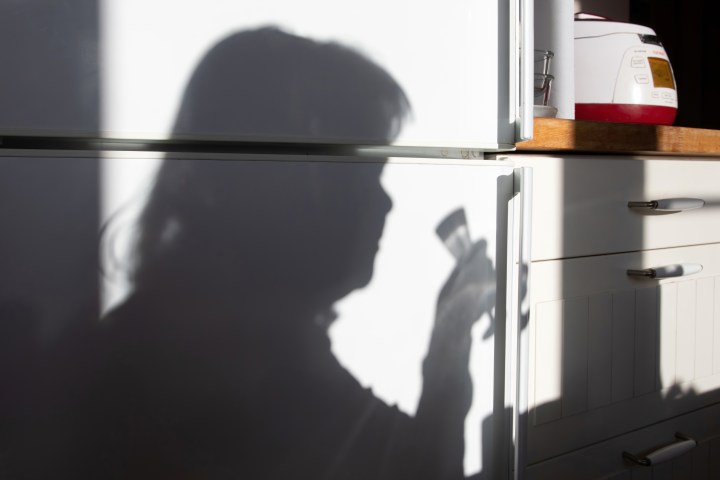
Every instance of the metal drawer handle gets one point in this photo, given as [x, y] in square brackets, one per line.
[665, 453]
[668, 271]
[669, 204]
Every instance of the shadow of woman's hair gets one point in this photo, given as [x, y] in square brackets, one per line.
[269, 85]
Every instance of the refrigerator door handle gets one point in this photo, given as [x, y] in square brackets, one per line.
[519, 336]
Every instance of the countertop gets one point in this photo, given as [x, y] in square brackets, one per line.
[560, 135]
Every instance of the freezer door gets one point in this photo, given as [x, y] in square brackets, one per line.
[438, 74]
[259, 318]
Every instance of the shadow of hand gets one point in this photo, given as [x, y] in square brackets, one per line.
[468, 293]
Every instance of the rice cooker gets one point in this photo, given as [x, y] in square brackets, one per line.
[622, 73]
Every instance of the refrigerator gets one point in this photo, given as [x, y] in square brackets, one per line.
[261, 239]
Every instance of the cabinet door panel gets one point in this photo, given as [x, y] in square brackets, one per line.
[613, 353]
[575, 374]
[600, 351]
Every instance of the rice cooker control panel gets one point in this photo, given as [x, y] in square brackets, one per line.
[646, 77]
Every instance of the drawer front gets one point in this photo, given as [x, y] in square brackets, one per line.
[605, 460]
[610, 354]
[580, 204]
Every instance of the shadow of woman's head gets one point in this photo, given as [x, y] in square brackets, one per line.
[286, 229]
[269, 85]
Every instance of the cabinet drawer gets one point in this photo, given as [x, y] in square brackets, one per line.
[580, 204]
[610, 354]
[605, 459]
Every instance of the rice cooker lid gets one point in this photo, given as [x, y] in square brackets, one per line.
[588, 25]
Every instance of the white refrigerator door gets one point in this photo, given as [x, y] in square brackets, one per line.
[424, 74]
[425, 222]
[337, 318]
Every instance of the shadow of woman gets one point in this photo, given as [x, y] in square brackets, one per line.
[218, 364]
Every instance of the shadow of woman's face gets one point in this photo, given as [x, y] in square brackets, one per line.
[353, 207]
[296, 228]
[320, 225]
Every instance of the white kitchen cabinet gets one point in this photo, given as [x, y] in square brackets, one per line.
[620, 363]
